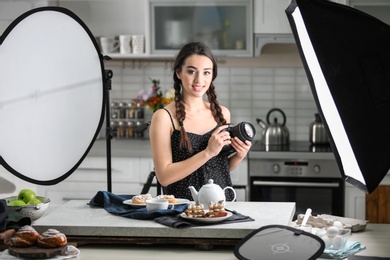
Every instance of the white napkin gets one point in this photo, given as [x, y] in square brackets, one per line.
[351, 247]
[70, 253]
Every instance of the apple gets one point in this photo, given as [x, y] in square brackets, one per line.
[26, 195]
[34, 201]
[17, 203]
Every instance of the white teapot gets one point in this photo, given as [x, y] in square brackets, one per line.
[210, 192]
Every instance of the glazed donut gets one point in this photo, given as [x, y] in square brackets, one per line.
[26, 236]
[51, 238]
[169, 198]
[141, 199]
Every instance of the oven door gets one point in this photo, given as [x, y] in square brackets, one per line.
[322, 195]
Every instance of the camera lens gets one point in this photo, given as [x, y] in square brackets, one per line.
[244, 131]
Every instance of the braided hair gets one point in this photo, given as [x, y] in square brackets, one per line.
[188, 50]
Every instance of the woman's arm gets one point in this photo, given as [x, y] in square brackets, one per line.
[242, 150]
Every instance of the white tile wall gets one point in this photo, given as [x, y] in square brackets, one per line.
[248, 92]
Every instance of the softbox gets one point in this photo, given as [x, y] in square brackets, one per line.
[346, 55]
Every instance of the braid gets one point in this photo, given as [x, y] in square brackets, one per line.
[181, 115]
[214, 105]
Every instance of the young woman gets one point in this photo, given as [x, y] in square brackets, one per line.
[188, 135]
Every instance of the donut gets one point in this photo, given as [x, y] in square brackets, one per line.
[51, 238]
[141, 199]
[26, 236]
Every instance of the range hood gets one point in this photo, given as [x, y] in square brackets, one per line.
[260, 40]
[346, 56]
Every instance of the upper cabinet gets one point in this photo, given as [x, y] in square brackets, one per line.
[270, 17]
[224, 25]
[377, 8]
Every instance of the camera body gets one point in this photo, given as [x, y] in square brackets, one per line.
[244, 131]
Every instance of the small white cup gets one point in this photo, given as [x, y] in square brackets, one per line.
[158, 204]
[138, 43]
[125, 44]
[109, 44]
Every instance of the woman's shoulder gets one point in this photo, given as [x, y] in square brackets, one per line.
[226, 113]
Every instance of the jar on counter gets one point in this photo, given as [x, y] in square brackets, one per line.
[139, 112]
[114, 128]
[122, 110]
[122, 130]
[131, 112]
[141, 134]
[130, 129]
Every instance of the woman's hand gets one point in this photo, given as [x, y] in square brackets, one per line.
[242, 148]
[218, 140]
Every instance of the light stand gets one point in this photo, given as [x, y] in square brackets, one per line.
[109, 131]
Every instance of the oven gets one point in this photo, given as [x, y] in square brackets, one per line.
[300, 173]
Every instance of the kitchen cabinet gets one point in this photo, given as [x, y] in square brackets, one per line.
[224, 25]
[378, 205]
[240, 180]
[354, 202]
[271, 25]
[128, 176]
[377, 8]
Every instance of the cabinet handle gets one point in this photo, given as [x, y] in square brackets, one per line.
[296, 184]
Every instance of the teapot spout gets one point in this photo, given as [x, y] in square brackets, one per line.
[194, 193]
[261, 123]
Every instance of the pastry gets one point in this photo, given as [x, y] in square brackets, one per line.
[51, 238]
[170, 198]
[216, 209]
[141, 199]
[26, 236]
[195, 210]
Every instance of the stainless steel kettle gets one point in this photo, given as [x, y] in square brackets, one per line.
[317, 130]
[274, 133]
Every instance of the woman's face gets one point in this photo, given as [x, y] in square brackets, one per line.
[196, 75]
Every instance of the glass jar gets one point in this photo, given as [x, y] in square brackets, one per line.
[122, 110]
[114, 128]
[130, 129]
[122, 130]
[141, 134]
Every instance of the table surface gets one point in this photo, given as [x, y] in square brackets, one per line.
[375, 238]
[76, 218]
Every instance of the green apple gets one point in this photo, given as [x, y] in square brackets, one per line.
[17, 203]
[26, 195]
[34, 202]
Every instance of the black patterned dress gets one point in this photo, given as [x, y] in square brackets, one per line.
[217, 168]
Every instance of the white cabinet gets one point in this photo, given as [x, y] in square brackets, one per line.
[91, 177]
[270, 17]
[240, 180]
[224, 25]
[355, 202]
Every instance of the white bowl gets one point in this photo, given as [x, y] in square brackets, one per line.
[334, 241]
[34, 211]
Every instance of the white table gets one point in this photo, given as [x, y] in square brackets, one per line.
[84, 224]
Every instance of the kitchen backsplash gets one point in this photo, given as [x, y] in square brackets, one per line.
[248, 92]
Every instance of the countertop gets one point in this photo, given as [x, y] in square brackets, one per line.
[375, 238]
[76, 218]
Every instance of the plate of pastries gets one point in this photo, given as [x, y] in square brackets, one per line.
[197, 213]
[29, 243]
[140, 200]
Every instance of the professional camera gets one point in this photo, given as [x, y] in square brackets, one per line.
[244, 131]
